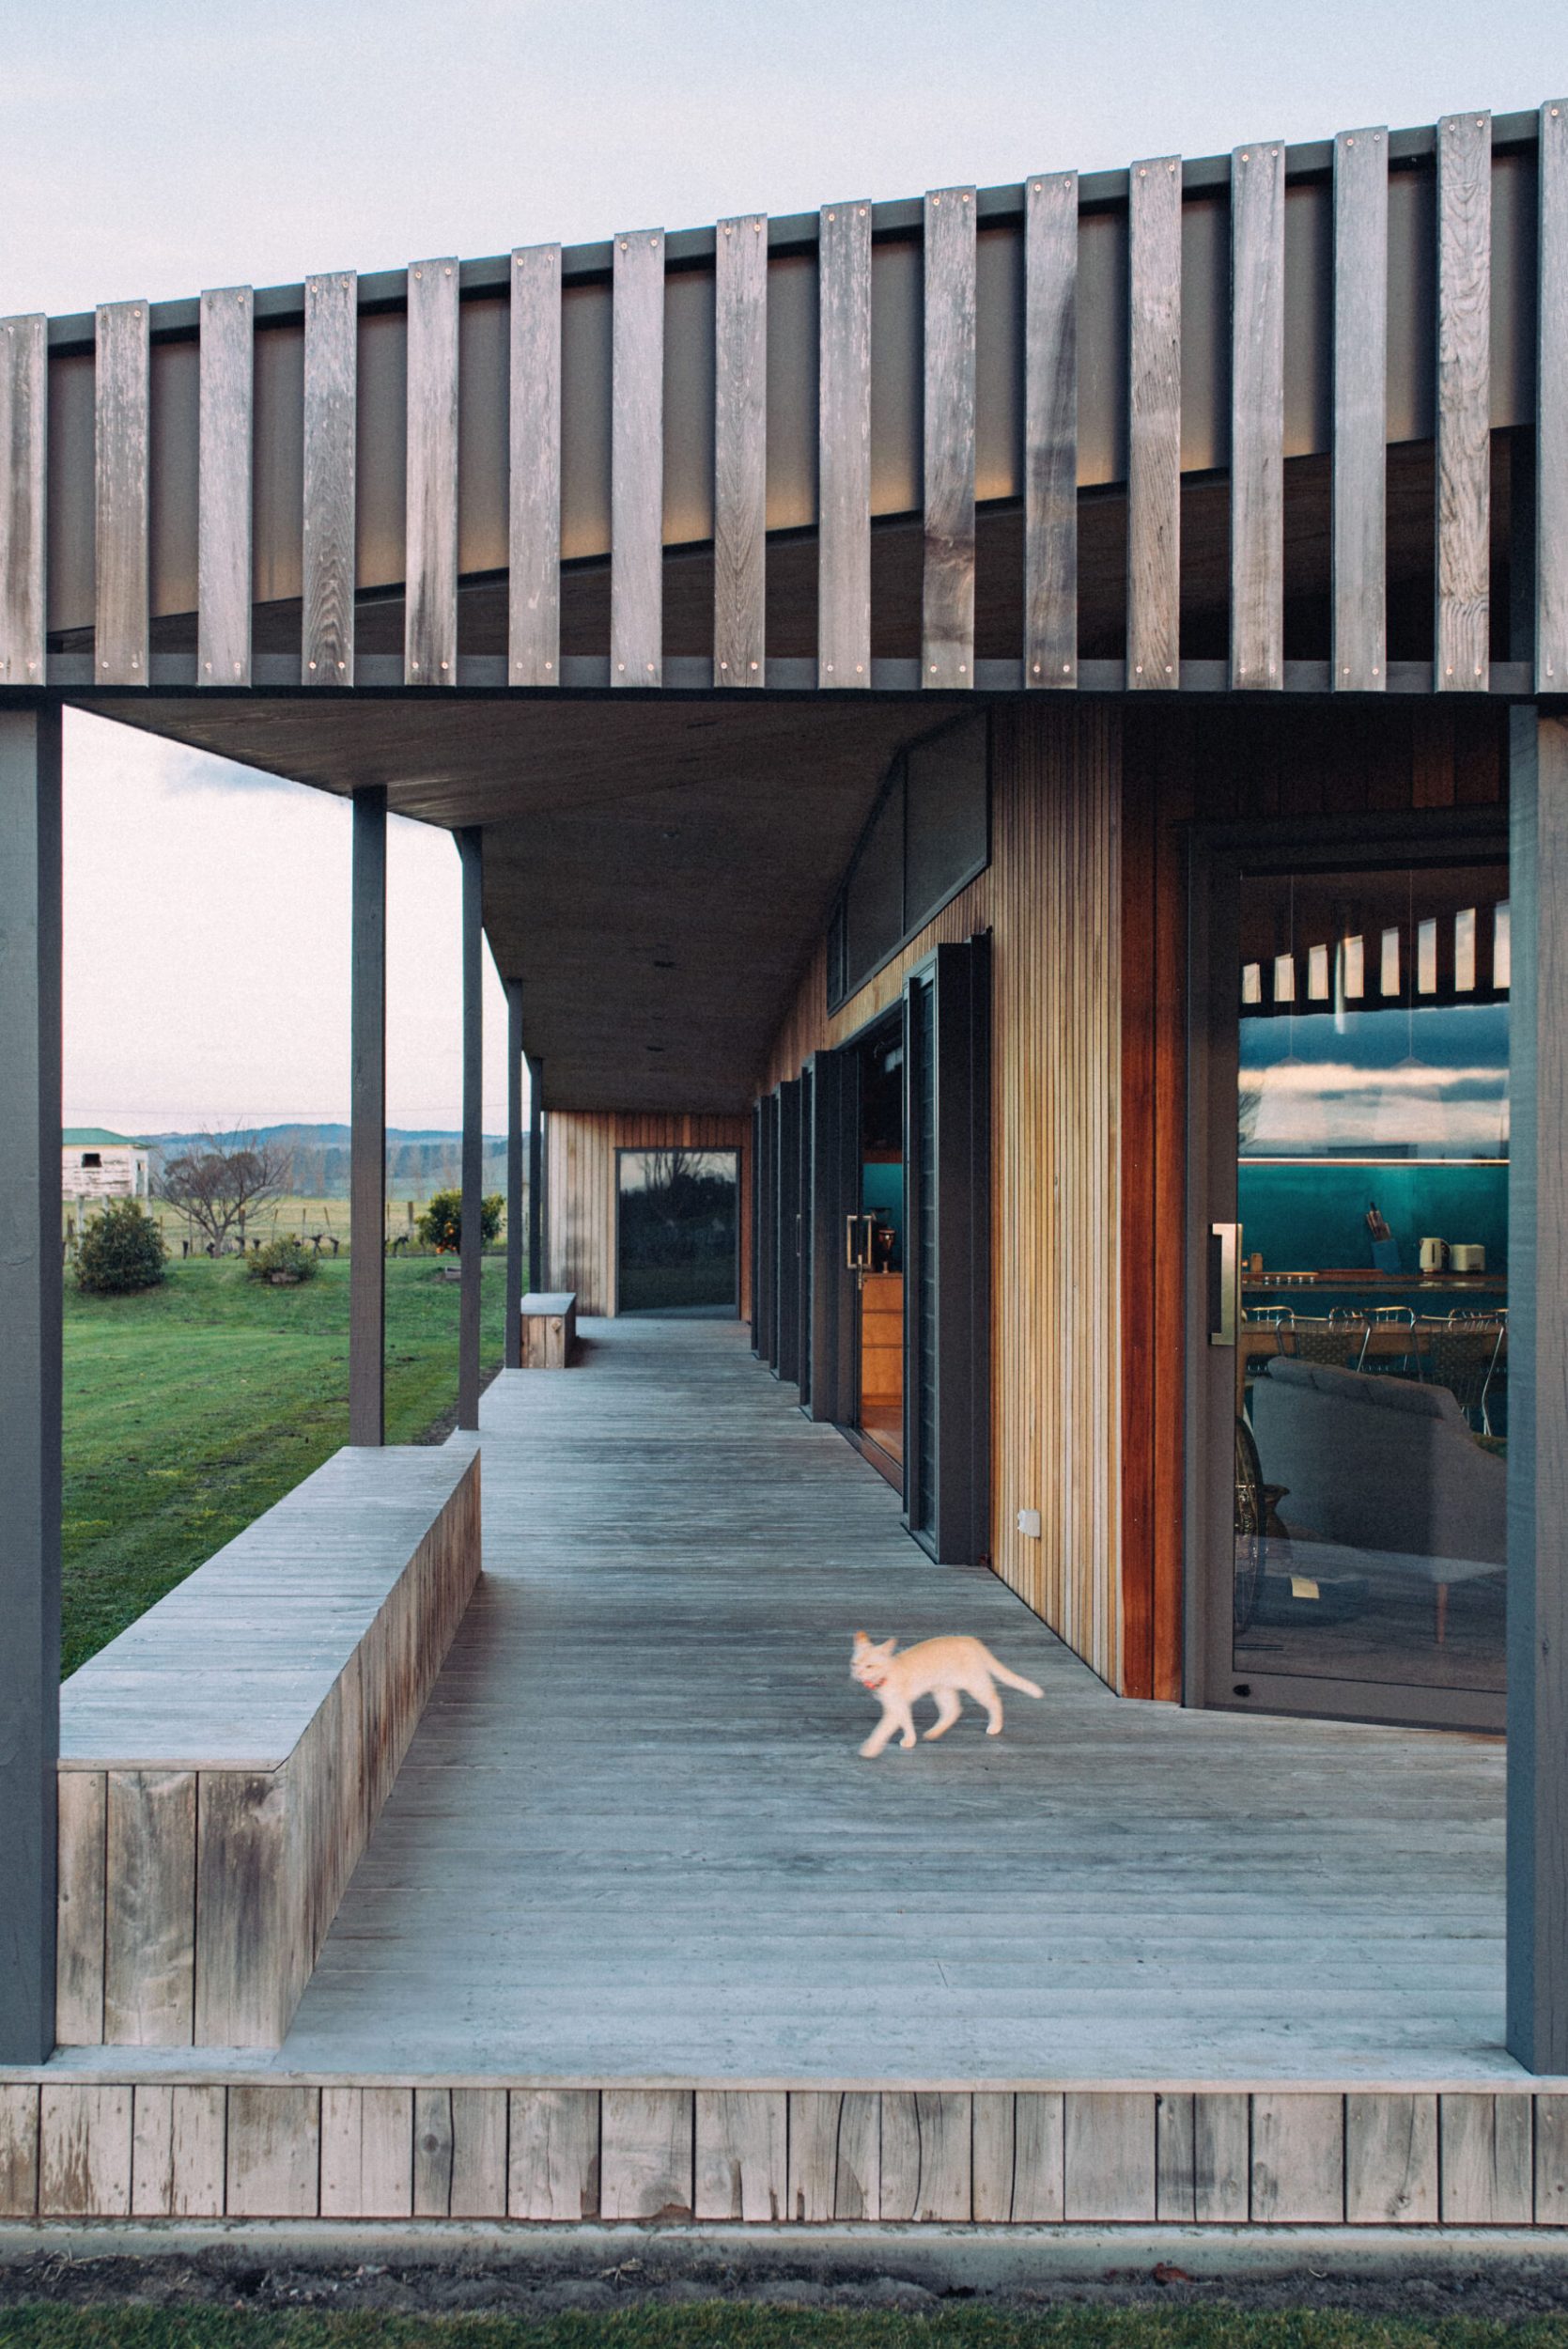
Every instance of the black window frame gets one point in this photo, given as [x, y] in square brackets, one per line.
[843, 984]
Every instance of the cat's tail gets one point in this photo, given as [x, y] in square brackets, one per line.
[1013, 1680]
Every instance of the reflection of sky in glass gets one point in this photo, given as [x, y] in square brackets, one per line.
[642, 1168]
[1430, 1082]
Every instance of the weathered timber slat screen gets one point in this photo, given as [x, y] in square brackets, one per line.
[121, 431]
[330, 403]
[534, 448]
[1258, 415]
[431, 621]
[1154, 424]
[1050, 431]
[1175, 2155]
[741, 450]
[1358, 654]
[223, 556]
[947, 593]
[637, 462]
[930, 368]
[843, 447]
[23, 434]
[1551, 409]
[1464, 402]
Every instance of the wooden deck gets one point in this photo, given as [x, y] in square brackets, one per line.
[633, 1839]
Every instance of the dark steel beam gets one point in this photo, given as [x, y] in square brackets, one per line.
[471, 851]
[367, 1124]
[29, 1374]
[1537, 1399]
[513, 1351]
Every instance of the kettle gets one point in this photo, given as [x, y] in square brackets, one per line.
[1434, 1254]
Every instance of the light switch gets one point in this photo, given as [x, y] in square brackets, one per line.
[1029, 1522]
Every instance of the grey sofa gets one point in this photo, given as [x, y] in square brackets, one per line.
[1380, 1474]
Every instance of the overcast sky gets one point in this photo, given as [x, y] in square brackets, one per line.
[152, 148]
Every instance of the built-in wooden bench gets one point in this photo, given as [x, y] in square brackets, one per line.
[223, 1761]
[549, 1328]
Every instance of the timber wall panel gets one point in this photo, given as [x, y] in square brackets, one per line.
[1179, 2155]
[1154, 425]
[1551, 408]
[741, 450]
[580, 1197]
[1053, 899]
[1050, 431]
[1258, 415]
[947, 441]
[843, 447]
[431, 565]
[637, 461]
[331, 498]
[1464, 402]
[1359, 586]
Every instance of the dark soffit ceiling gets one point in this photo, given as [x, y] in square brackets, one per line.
[621, 835]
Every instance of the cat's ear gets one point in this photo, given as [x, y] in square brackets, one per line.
[861, 1639]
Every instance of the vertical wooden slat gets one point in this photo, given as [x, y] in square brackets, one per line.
[1390, 2160]
[83, 2150]
[637, 461]
[79, 1945]
[1551, 409]
[1361, 410]
[19, 2152]
[1551, 2161]
[330, 432]
[150, 1934]
[533, 435]
[1038, 2157]
[478, 2153]
[224, 503]
[177, 2151]
[1464, 397]
[121, 442]
[1050, 431]
[432, 2153]
[1487, 2161]
[645, 2153]
[992, 2156]
[947, 596]
[843, 447]
[274, 2152]
[553, 2156]
[431, 564]
[1258, 415]
[742, 2159]
[1108, 2156]
[24, 437]
[1297, 2159]
[366, 2153]
[741, 450]
[1154, 424]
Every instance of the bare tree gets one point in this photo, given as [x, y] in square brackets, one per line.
[223, 1181]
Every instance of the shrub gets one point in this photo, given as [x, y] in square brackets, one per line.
[283, 1260]
[440, 1226]
[121, 1250]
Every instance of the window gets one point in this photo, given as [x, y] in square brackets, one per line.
[927, 837]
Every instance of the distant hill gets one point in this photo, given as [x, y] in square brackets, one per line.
[417, 1161]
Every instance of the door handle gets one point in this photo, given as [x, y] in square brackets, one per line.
[1224, 1282]
[857, 1248]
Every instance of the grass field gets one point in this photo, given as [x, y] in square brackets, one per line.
[737, 2324]
[192, 1408]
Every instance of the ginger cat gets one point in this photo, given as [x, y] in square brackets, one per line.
[944, 1669]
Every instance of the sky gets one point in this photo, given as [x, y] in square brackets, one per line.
[153, 147]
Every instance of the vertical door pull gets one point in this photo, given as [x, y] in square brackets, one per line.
[1224, 1282]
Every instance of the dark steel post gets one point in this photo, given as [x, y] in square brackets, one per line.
[470, 849]
[513, 1355]
[367, 1124]
[537, 1276]
[30, 1277]
[1538, 1398]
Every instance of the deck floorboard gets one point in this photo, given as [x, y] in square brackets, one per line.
[633, 1839]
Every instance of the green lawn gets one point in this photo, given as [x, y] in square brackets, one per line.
[733, 2324]
[193, 1406]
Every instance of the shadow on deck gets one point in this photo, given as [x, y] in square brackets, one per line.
[633, 1838]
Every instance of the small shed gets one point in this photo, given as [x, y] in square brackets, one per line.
[97, 1164]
